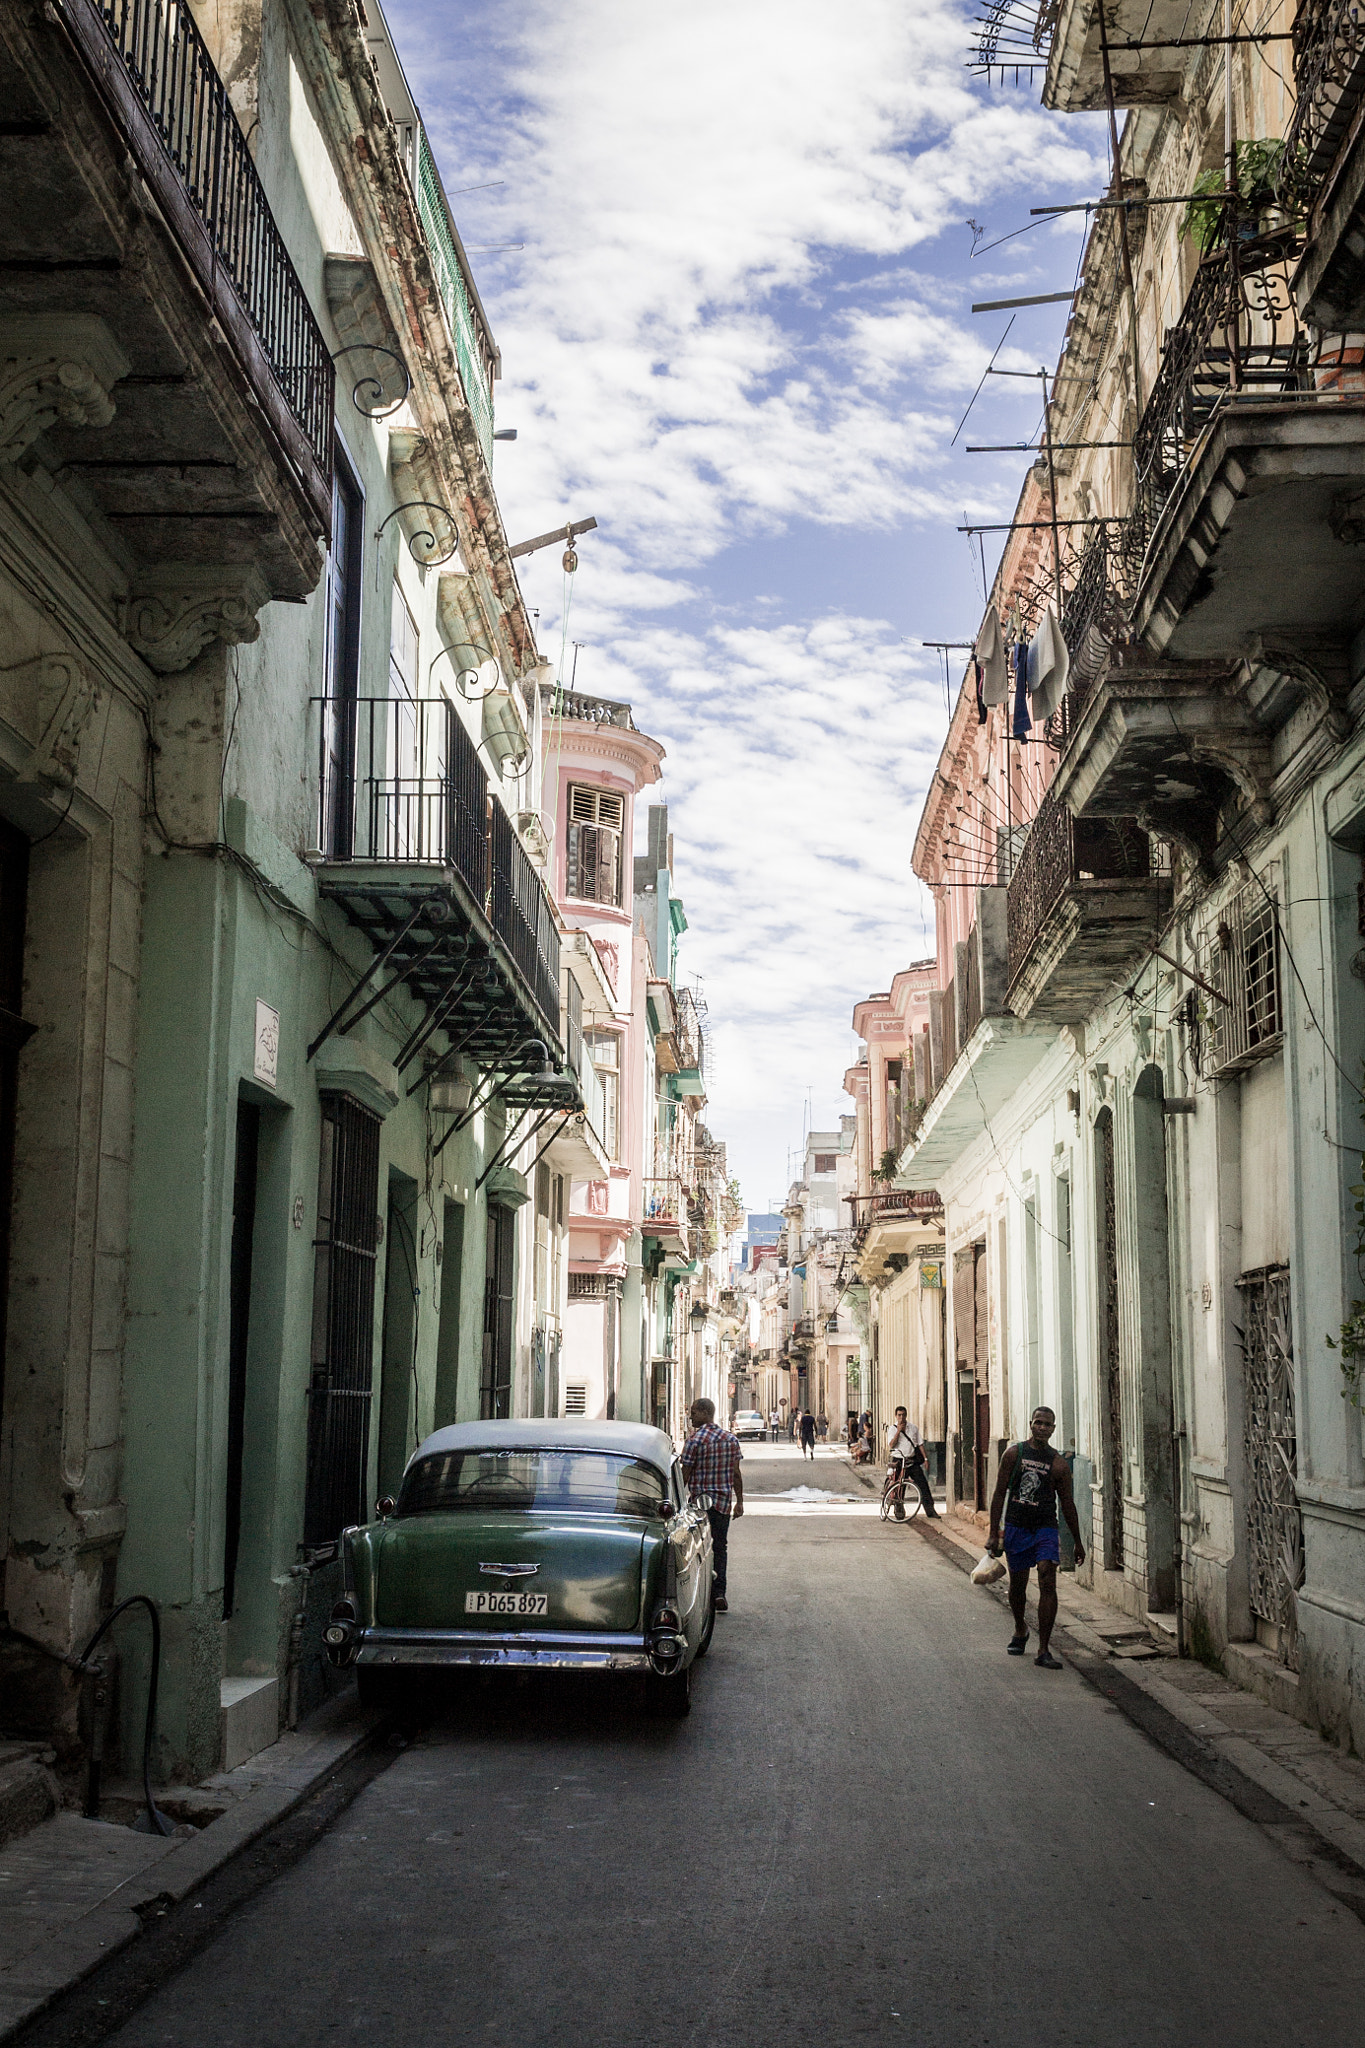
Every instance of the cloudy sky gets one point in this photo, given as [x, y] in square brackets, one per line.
[738, 334]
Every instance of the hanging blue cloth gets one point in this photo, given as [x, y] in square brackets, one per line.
[1022, 724]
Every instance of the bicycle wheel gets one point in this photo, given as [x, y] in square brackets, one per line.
[888, 1501]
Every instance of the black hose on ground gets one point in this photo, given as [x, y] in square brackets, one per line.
[160, 1824]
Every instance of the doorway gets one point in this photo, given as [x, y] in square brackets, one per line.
[244, 1182]
[1153, 1262]
[398, 1344]
[451, 1255]
[972, 1446]
[495, 1387]
[1107, 1333]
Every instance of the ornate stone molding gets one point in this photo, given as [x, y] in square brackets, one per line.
[1321, 669]
[55, 368]
[67, 696]
[177, 609]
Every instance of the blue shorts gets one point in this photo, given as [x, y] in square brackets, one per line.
[1026, 1547]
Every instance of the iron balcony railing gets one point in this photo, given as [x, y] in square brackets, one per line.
[472, 353]
[1238, 340]
[1060, 852]
[1329, 78]
[399, 780]
[662, 1208]
[169, 67]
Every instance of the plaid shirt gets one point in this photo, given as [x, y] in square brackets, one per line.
[710, 1459]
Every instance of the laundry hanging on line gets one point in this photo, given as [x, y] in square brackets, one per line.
[990, 652]
[1048, 667]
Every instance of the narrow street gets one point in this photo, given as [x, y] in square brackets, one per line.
[873, 1825]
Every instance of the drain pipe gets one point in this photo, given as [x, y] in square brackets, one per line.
[82, 1664]
[295, 1653]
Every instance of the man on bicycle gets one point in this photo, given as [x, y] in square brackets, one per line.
[905, 1449]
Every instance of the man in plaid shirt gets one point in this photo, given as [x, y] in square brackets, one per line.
[711, 1459]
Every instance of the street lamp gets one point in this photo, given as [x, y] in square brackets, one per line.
[698, 1316]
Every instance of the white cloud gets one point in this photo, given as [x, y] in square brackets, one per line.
[687, 359]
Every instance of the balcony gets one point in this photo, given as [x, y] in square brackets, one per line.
[1086, 898]
[174, 372]
[428, 865]
[663, 1215]
[475, 354]
[1326, 162]
[588, 710]
[987, 1053]
[1251, 455]
[1067, 33]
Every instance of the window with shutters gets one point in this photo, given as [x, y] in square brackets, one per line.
[604, 1050]
[596, 821]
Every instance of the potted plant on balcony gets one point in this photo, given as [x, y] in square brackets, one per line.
[1262, 177]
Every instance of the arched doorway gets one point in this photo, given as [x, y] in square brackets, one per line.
[1152, 1306]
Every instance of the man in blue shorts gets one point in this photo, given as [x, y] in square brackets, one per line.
[1033, 1478]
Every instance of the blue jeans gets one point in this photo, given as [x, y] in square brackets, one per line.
[720, 1544]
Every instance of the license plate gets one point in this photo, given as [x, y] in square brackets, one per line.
[506, 1603]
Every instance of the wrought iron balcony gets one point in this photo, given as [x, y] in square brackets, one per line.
[1087, 896]
[663, 1214]
[400, 785]
[166, 63]
[1329, 78]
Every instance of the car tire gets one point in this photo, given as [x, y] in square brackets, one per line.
[670, 1698]
[704, 1645]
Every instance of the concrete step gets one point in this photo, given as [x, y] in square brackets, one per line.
[28, 1790]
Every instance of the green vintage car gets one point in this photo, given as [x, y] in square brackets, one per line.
[555, 1545]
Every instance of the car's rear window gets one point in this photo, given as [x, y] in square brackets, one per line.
[576, 1482]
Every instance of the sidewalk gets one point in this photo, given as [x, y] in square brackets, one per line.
[73, 1892]
[1307, 1793]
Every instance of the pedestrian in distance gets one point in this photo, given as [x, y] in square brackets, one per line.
[822, 1425]
[905, 1447]
[1033, 1479]
[711, 1459]
[808, 1435]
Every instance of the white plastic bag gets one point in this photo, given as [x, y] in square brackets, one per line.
[989, 1570]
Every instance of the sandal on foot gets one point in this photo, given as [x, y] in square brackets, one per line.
[1048, 1662]
[1017, 1645]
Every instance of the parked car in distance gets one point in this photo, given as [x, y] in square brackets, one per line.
[540, 1545]
[748, 1423]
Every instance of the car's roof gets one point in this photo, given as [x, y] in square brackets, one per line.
[626, 1439]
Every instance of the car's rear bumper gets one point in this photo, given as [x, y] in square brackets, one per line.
[389, 1647]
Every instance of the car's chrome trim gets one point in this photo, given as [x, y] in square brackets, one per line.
[510, 1571]
[444, 1646]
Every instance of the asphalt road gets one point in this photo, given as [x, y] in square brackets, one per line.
[874, 1825]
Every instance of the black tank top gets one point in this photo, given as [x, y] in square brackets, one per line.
[1032, 1498]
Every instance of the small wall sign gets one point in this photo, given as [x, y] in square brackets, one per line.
[931, 1272]
[266, 1065]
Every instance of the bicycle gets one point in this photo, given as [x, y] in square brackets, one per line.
[894, 1487]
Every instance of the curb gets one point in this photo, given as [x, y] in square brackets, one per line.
[1338, 1872]
[42, 1975]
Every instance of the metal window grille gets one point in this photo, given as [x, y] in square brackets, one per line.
[1242, 960]
[172, 73]
[345, 1255]
[586, 1286]
[1274, 1522]
[575, 1400]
